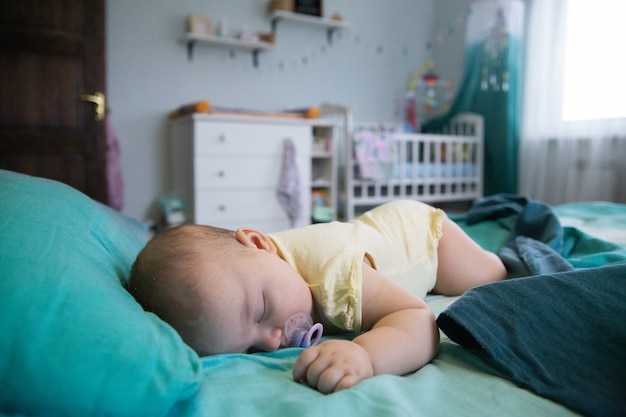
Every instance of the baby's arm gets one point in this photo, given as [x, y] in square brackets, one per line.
[402, 337]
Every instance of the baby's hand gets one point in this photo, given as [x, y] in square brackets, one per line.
[333, 365]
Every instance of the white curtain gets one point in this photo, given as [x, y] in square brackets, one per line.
[564, 161]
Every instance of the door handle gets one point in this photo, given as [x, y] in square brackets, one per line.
[98, 99]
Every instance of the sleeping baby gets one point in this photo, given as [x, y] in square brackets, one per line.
[245, 291]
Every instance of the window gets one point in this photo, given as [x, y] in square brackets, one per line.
[595, 62]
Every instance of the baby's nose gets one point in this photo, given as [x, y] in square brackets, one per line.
[274, 339]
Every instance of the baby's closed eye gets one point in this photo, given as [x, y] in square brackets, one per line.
[266, 309]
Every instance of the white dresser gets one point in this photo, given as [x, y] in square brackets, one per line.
[227, 169]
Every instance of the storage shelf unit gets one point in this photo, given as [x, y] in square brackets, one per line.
[324, 171]
[226, 169]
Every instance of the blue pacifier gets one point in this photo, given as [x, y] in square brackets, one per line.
[301, 332]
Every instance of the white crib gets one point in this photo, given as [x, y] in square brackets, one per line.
[380, 166]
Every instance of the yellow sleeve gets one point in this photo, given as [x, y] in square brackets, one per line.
[332, 270]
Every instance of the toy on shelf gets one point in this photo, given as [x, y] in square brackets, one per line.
[321, 209]
[197, 107]
[206, 107]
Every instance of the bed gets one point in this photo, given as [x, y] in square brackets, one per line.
[75, 343]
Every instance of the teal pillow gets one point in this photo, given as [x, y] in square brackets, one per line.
[73, 341]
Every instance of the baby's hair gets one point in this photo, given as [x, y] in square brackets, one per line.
[164, 276]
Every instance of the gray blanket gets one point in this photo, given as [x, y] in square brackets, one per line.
[536, 243]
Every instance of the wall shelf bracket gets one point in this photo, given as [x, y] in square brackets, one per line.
[190, 45]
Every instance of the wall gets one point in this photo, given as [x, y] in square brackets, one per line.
[148, 73]
[449, 38]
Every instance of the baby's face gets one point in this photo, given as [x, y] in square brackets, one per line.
[248, 302]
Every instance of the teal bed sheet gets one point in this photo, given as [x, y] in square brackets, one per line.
[455, 383]
[601, 219]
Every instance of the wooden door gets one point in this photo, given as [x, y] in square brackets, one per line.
[51, 56]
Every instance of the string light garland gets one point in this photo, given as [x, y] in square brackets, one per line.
[363, 42]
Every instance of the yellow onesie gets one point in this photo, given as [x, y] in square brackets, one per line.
[399, 238]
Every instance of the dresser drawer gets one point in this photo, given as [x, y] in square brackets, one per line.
[216, 172]
[220, 207]
[245, 171]
[248, 139]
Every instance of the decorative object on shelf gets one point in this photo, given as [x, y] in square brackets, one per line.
[222, 29]
[321, 144]
[199, 25]
[256, 37]
[173, 212]
[306, 112]
[321, 206]
[284, 5]
[247, 35]
[205, 106]
[268, 37]
[190, 108]
[309, 7]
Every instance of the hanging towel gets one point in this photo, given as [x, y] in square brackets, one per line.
[288, 192]
[113, 170]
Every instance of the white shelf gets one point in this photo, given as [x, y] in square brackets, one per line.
[226, 42]
[331, 25]
[321, 154]
[302, 18]
[321, 183]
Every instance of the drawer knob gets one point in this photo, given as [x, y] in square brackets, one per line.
[221, 207]
[222, 138]
[221, 174]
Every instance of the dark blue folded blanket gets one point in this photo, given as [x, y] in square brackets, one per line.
[562, 335]
[536, 242]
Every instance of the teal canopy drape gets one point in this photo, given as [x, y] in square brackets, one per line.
[491, 87]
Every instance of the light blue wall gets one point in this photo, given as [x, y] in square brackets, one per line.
[148, 73]
[449, 35]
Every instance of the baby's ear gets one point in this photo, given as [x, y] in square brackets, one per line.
[253, 238]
